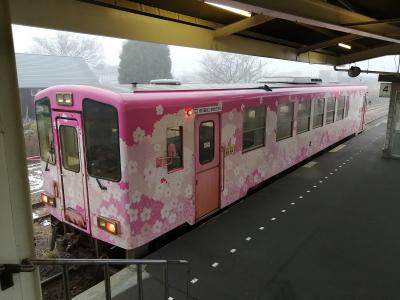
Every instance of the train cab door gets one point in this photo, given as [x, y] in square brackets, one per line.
[207, 144]
[73, 171]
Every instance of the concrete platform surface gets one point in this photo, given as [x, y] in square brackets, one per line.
[327, 231]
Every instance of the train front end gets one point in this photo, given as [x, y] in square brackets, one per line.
[80, 150]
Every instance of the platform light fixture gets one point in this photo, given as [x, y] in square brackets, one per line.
[231, 9]
[343, 45]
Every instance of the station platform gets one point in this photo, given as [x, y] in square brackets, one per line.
[328, 230]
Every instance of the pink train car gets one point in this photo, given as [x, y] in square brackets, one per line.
[125, 168]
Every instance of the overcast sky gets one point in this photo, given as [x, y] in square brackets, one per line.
[185, 60]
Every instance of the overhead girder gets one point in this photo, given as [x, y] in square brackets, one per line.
[391, 49]
[85, 17]
[328, 43]
[318, 14]
[241, 25]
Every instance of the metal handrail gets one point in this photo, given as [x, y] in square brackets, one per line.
[65, 263]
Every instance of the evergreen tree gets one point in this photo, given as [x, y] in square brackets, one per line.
[141, 62]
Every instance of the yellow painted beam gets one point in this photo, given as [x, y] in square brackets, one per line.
[317, 14]
[391, 49]
[328, 43]
[241, 25]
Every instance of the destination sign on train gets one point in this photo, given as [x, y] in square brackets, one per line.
[207, 109]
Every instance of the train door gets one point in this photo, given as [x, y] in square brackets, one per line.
[207, 143]
[73, 171]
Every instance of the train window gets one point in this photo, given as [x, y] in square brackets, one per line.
[285, 121]
[174, 148]
[253, 128]
[340, 114]
[102, 140]
[43, 121]
[318, 115]
[330, 110]
[346, 111]
[69, 148]
[206, 142]
[303, 116]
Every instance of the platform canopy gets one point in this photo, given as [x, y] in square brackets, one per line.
[298, 30]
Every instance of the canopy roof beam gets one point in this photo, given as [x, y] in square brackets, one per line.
[320, 9]
[328, 43]
[241, 25]
[391, 49]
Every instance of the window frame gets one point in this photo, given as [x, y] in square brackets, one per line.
[77, 148]
[181, 135]
[323, 113]
[343, 110]
[291, 122]
[85, 140]
[347, 106]
[246, 109]
[327, 99]
[309, 117]
[52, 133]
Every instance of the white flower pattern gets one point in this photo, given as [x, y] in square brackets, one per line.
[138, 135]
[133, 214]
[188, 191]
[149, 173]
[146, 214]
[136, 196]
[172, 218]
[236, 171]
[112, 210]
[159, 110]
[132, 167]
[165, 212]
[157, 227]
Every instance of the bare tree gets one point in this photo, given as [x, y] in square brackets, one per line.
[70, 44]
[230, 68]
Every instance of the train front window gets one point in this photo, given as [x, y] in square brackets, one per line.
[102, 140]
[45, 133]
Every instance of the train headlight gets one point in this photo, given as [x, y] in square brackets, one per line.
[64, 99]
[46, 199]
[109, 225]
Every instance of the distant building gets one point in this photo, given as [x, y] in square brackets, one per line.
[107, 74]
[37, 72]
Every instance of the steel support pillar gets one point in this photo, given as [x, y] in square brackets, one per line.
[16, 234]
[391, 147]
